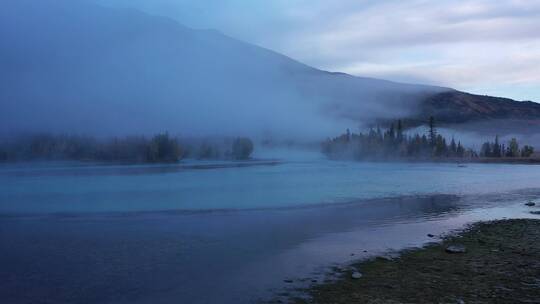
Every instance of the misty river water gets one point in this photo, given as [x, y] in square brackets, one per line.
[88, 233]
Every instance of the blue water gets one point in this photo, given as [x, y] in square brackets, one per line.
[88, 233]
[68, 188]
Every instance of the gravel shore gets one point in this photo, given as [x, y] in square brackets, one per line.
[501, 264]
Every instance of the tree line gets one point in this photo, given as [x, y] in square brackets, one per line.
[393, 143]
[512, 149]
[160, 148]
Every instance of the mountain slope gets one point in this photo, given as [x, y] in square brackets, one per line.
[459, 107]
[72, 66]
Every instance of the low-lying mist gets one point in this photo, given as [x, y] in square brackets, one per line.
[160, 148]
[475, 133]
[78, 68]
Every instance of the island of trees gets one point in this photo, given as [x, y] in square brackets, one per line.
[394, 144]
[161, 148]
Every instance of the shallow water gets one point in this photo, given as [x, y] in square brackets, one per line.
[156, 234]
[45, 189]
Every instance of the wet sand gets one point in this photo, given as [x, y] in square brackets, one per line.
[501, 265]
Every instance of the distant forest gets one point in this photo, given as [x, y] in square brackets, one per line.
[393, 143]
[160, 148]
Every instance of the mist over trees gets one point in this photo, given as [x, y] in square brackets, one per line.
[57, 77]
[393, 143]
[512, 149]
[242, 148]
[161, 148]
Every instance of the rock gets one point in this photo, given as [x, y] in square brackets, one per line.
[430, 235]
[383, 258]
[288, 281]
[535, 212]
[339, 269]
[460, 301]
[456, 249]
[356, 275]
[530, 204]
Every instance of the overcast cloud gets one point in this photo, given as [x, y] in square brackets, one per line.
[482, 46]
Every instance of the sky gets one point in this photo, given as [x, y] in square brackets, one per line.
[481, 46]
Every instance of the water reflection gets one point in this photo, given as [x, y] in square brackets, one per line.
[218, 256]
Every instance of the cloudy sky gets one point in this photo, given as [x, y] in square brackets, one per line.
[482, 46]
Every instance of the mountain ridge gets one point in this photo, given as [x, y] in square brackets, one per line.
[101, 70]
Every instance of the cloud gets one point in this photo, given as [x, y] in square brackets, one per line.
[477, 45]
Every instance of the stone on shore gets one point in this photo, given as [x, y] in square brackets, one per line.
[503, 269]
[383, 258]
[356, 275]
[456, 249]
[530, 204]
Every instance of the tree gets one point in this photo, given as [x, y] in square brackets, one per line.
[453, 147]
[460, 151]
[432, 131]
[486, 151]
[399, 131]
[391, 132]
[513, 148]
[496, 147]
[441, 149]
[527, 151]
[208, 150]
[242, 148]
[384, 144]
[162, 148]
[379, 134]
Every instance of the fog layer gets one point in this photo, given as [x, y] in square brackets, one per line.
[73, 66]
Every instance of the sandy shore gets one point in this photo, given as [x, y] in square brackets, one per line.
[501, 265]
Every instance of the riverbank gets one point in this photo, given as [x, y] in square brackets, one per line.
[501, 264]
[453, 160]
[479, 160]
[491, 160]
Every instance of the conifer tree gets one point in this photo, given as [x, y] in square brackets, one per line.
[399, 134]
[496, 147]
[513, 148]
[453, 147]
[460, 151]
[486, 151]
[432, 131]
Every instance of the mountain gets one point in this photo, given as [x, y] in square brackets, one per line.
[73, 66]
[459, 107]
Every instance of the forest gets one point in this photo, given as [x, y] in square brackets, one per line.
[161, 148]
[395, 143]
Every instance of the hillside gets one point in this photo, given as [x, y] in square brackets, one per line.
[458, 107]
[76, 66]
